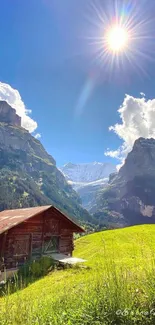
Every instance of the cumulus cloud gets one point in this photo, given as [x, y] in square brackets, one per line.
[137, 120]
[37, 136]
[13, 98]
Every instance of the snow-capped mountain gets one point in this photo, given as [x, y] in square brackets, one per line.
[88, 179]
[87, 172]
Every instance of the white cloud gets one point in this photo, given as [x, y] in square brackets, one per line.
[13, 98]
[137, 120]
[37, 136]
[142, 94]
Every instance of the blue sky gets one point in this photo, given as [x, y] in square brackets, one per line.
[46, 54]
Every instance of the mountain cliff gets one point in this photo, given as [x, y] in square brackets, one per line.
[88, 179]
[29, 176]
[131, 191]
[8, 114]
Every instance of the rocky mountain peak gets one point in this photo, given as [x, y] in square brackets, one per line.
[8, 114]
[144, 142]
[140, 161]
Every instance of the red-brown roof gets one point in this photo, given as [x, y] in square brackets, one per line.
[11, 218]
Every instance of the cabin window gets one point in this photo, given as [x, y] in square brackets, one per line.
[51, 245]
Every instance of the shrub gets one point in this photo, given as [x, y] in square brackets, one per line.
[28, 273]
[36, 268]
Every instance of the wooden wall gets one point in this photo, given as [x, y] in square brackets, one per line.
[40, 235]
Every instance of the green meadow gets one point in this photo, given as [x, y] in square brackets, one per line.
[116, 285]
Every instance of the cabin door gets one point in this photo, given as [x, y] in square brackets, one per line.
[20, 245]
[19, 248]
[51, 245]
[51, 236]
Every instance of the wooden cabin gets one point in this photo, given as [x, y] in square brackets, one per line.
[33, 232]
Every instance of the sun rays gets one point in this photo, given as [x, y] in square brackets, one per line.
[121, 34]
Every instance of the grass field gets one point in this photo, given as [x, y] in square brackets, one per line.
[116, 285]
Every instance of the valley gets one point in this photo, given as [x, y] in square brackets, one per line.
[88, 179]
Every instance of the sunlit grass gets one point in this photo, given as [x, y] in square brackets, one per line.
[119, 275]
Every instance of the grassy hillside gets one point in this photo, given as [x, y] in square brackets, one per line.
[116, 286]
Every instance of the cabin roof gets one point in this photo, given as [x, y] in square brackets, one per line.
[12, 218]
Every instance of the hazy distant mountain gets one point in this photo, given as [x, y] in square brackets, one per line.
[88, 179]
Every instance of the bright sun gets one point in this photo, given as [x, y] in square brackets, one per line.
[117, 38]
